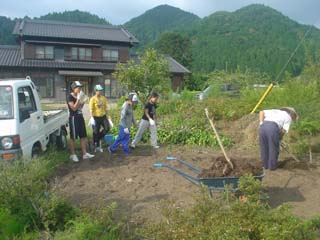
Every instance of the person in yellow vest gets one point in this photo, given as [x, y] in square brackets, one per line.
[98, 110]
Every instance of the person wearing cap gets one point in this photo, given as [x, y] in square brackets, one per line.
[76, 122]
[126, 119]
[98, 110]
[148, 121]
[274, 123]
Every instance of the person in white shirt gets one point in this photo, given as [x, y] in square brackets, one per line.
[274, 123]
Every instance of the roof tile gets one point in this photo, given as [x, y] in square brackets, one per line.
[55, 29]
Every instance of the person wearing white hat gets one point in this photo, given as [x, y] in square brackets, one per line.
[274, 123]
[148, 121]
[76, 122]
[126, 119]
[98, 110]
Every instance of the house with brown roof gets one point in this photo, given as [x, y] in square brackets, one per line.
[54, 54]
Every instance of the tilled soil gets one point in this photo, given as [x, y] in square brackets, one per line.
[138, 187]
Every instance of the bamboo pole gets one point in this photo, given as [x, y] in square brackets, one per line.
[263, 97]
[218, 138]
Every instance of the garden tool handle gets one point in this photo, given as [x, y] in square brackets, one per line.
[218, 138]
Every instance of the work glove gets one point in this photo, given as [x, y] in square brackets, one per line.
[152, 122]
[126, 130]
[79, 96]
[110, 123]
[91, 122]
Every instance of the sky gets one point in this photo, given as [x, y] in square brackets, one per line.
[120, 11]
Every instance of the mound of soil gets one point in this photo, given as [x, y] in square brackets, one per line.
[241, 166]
[291, 164]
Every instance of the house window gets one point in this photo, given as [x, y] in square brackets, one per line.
[81, 53]
[44, 52]
[110, 55]
[45, 85]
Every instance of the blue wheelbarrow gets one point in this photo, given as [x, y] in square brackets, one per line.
[217, 183]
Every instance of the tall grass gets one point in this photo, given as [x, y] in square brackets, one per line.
[29, 209]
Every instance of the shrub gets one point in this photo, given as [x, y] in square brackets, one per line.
[95, 226]
[9, 225]
[55, 212]
[24, 192]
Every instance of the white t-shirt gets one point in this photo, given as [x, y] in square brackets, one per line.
[281, 118]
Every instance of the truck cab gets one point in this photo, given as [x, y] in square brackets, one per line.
[24, 128]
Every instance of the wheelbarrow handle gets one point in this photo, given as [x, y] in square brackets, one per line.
[159, 165]
[191, 167]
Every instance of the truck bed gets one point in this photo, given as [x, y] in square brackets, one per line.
[50, 114]
[54, 119]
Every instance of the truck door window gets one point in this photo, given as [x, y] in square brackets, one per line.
[26, 103]
[6, 102]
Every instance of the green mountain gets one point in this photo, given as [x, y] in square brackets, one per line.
[255, 37]
[75, 16]
[148, 26]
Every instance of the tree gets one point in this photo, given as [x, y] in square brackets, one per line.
[149, 73]
[196, 81]
[177, 46]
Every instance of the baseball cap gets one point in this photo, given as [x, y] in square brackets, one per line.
[76, 84]
[98, 88]
[133, 97]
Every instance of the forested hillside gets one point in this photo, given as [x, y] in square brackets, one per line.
[148, 26]
[255, 37]
[75, 16]
[6, 27]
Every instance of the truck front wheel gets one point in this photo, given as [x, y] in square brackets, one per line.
[61, 140]
[35, 151]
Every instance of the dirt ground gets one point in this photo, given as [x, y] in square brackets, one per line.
[138, 187]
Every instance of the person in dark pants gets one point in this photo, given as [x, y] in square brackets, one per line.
[98, 110]
[148, 121]
[274, 123]
[76, 122]
[126, 119]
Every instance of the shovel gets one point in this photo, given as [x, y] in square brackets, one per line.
[284, 147]
[218, 138]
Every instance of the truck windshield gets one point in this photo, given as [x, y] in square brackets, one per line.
[6, 102]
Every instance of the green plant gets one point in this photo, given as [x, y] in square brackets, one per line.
[151, 75]
[230, 218]
[9, 224]
[55, 212]
[97, 225]
[24, 190]
[251, 188]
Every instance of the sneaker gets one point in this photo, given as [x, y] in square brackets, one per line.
[109, 150]
[156, 147]
[133, 146]
[74, 158]
[98, 149]
[87, 156]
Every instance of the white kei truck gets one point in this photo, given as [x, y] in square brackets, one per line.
[26, 130]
